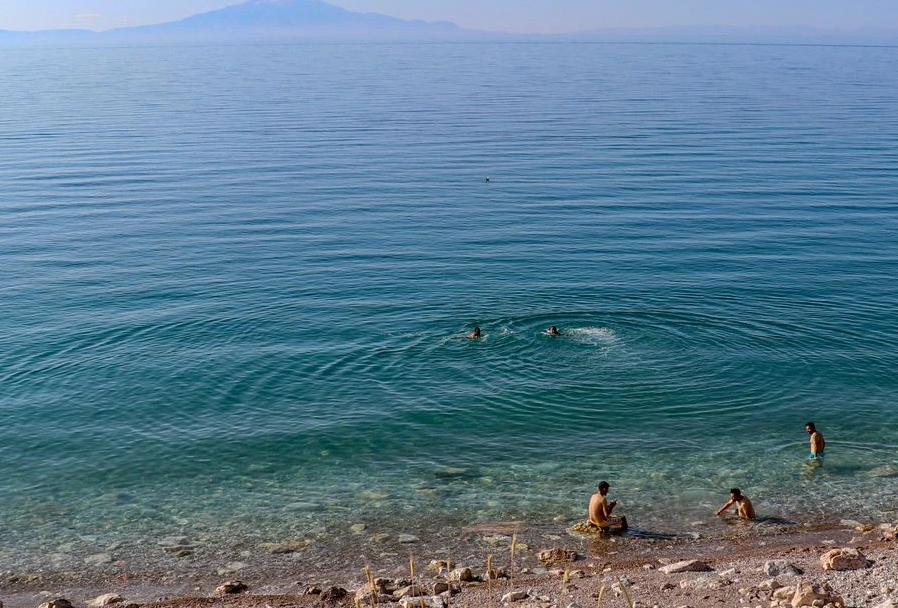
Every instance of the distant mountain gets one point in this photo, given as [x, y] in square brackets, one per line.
[252, 19]
[286, 17]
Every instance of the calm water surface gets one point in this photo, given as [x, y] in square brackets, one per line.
[234, 282]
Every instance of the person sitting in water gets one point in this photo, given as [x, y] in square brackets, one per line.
[553, 331]
[744, 508]
[474, 334]
[600, 510]
[818, 444]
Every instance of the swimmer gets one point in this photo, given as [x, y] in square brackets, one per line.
[553, 331]
[474, 334]
[744, 508]
[818, 444]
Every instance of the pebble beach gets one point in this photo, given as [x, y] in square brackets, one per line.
[851, 565]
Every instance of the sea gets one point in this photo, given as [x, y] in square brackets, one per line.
[236, 280]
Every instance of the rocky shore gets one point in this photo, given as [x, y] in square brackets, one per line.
[498, 565]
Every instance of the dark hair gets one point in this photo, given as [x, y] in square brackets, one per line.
[603, 485]
[810, 425]
[736, 491]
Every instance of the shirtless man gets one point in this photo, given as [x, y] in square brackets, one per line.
[474, 334]
[553, 331]
[818, 444]
[600, 509]
[743, 505]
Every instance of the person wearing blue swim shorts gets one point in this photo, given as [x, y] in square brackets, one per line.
[818, 444]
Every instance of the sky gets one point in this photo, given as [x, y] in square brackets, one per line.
[520, 16]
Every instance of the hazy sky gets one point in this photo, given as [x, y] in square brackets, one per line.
[499, 15]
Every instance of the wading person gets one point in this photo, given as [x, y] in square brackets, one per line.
[744, 508]
[818, 444]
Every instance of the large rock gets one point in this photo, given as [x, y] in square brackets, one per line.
[557, 555]
[689, 565]
[846, 558]
[806, 594]
[779, 567]
[107, 599]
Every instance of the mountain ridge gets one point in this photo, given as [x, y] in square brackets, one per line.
[315, 18]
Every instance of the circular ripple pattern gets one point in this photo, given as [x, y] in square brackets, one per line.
[236, 284]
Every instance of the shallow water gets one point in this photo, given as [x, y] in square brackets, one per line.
[236, 282]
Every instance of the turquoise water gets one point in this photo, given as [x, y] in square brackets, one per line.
[235, 281]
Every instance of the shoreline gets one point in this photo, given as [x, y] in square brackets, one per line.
[285, 571]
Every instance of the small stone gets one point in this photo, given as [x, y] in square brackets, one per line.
[557, 555]
[332, 595]
[410, 591]
[886, 604]
[408, 538]
[57, 603]
[784, 593]
[379, 537]
[358, 528]
[497, 540]
[438, 564]
[497, 573]
[769, 585]
[689, 565]
[463, 575]
[807, 593]
[846, 558]
[434, 601]
[574, 605]
[780, 567]
[107, 599]
[515, 596]
[312, 590]
[230, 588]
